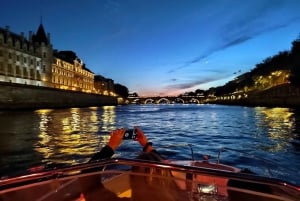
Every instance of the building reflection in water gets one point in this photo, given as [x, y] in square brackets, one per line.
[108, 118]
[279, 124]
[71, 136]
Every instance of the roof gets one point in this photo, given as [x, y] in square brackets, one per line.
[15, 37]
[40, 36]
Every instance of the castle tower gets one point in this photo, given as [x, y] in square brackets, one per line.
[44, 48]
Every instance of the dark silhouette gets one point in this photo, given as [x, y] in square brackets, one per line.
[284, 60]
[121, 90]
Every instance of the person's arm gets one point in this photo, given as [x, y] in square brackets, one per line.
[148, 149]
[142, 139]
[108, 151]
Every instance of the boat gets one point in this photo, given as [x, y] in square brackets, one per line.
[133, 179]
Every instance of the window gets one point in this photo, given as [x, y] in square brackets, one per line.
[10, 70]
[18, 72]
[38, 75]
[25, 73]
[1, 68]
[31, 74]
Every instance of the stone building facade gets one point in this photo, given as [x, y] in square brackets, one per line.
[69, 72]
[20, 61]
[33, 61]
[103, 85]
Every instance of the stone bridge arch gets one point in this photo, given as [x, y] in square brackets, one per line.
[149, 101]
[179, 100]
[136, 101]
[194, 100]
[163, 100]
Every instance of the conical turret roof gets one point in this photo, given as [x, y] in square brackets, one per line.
[40, 36]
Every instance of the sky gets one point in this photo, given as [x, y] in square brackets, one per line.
[162, 47]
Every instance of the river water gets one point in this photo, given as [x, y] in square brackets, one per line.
[264, 140]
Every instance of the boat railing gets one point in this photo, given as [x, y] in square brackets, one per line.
[121, 165]
[266, 168]
[102, 165]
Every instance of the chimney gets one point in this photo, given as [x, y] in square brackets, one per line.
[7, 30]
[30, 36]
[48, 37]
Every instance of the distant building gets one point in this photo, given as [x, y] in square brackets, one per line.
[20, 59]
[43, 47]
[103, 85]
[33, 61]
[69, 72]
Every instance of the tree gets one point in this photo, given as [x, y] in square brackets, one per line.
[295, 57]
[121, 90]
[295, 50]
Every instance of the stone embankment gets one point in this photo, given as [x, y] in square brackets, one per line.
[16, 96]
[279, 96]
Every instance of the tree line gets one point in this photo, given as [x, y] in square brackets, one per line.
[285, 60]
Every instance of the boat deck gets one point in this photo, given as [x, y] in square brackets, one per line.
[118, 179]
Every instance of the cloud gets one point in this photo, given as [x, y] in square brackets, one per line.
[241, 27]
[198, 81]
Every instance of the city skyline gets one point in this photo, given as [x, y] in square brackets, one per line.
[163, 48]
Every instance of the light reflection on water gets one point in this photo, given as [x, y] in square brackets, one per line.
[71, 136]
[67, 135]
[279, 124]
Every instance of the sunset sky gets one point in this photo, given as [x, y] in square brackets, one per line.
[162, 47]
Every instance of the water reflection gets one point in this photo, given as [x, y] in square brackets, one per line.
[71, 136]
[278, 124]
[68, 136]
[109, 118]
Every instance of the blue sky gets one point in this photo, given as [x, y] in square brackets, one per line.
[162, 47]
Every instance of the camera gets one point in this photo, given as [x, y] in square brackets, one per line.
[129, 134]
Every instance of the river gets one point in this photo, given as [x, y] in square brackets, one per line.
[264, 140]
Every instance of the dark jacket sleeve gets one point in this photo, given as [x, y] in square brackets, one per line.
[106, 152]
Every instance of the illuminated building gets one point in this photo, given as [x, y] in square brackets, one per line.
[103, 85]
[33, 61]
[20, 59]
[69, 72]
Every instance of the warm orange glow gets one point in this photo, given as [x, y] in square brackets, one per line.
[68, 140]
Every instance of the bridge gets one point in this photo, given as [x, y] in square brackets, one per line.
[166, 100]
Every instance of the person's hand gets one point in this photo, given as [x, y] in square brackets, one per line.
[116, 138]
[141, 138]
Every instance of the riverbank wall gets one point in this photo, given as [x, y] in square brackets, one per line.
[279, 96]
[17, 96]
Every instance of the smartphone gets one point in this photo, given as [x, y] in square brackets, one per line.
[129, 134]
